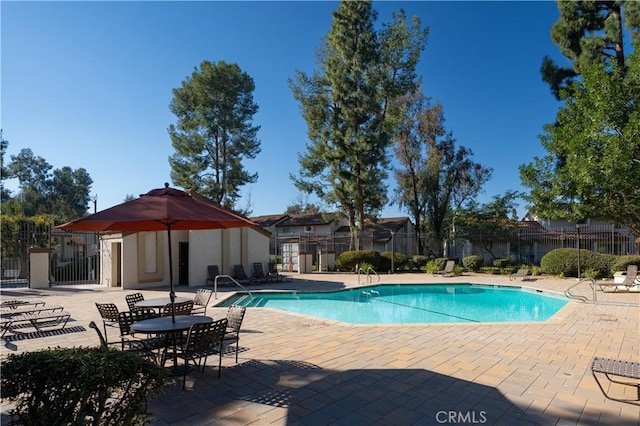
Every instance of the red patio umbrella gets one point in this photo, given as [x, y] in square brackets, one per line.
[158, 210]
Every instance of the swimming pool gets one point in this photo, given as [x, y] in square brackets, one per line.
[410, 303]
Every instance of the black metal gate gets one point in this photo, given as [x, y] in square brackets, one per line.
[74, 256]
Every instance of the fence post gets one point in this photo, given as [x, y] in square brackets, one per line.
[39, 267]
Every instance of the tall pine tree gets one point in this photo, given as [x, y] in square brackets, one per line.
[347, 107]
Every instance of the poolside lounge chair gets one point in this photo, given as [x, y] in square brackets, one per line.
[213, 271]
[275, 275]
[617, 368]
[448, 269]
[522, 273]
[258, 274]
[38, 320]
[240, 276]
[630, 280]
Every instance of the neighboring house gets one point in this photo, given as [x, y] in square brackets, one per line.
[534, 238]
[301, 241]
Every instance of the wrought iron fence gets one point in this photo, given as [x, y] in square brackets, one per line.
[527, 245]
[74, 256]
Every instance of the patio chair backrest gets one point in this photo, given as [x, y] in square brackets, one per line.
[132, 299]
[213, 271]
[238, 272]
[181, 308]
[235, 315]
[127, 318]
[205, 336]
[202, 297]
[108, 311]
[257, 271]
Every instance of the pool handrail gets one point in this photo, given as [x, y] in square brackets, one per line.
[369, 269]
[229, 277]
[592, 282]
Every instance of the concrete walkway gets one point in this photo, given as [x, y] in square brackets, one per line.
[298, 370]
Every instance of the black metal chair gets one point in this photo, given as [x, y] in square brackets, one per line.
[202, 340]
[181, 308]
[201, 301]
[132, 299]
[143, 345]
[103, 342]
[235, 315]
[109, 313]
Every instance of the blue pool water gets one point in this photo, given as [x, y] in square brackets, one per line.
[405, 303]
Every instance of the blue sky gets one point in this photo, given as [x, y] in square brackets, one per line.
[88, 84]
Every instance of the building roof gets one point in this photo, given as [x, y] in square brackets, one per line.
[267, 221]
[306, 219]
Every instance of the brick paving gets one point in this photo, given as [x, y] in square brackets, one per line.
[298, 370]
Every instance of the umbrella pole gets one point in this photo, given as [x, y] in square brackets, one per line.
[172, 294]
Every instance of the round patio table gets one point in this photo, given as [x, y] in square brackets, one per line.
[159, 302]
[162, 325]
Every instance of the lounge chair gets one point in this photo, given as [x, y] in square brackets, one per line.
[448, 269]
[37, 319]
[611, 368]
[14, 303]
[275, 275]
[258, 274]
[630, 280]
[522, 273]
[213, 271]
[240, 276]
[25, 309]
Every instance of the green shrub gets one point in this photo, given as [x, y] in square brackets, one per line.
[400, 261]
[621, 262]
[565, 261]
[457, 270]
[348, 260]
[501, 262]
[79, 386]
[440, 262]
[536, 270]
[431, 267]
[473, 262]
[590, 273]
[419, 261]
[490, 270]
[508, 270]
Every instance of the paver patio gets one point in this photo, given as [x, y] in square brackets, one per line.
[295, 369]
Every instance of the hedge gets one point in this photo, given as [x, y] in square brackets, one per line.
[473, 262]
[565, 262]
[348, 260]
[80, 386]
